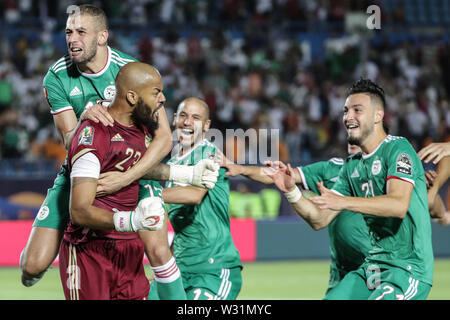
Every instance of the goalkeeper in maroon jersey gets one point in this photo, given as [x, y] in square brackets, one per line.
[100, 255]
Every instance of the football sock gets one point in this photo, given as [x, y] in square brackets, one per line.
[169, 282]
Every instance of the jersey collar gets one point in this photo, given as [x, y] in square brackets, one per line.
[102, 71]
[184, 156]
[366, 156]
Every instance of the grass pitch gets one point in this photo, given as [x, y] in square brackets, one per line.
[280, 280]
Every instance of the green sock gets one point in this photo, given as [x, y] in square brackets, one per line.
[153, 294]
[171, 291]
[168, 284]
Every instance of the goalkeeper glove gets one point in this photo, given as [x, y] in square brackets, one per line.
[148, 215]
[203, 174]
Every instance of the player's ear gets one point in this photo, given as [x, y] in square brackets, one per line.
[207, 125]
[174, 122]
[103, 38]
[132, 97]
[379, 115]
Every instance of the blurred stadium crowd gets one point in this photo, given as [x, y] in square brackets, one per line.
[254, 62]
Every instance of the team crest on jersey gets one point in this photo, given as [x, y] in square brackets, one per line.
[376, 167]
[110, 92]
[86, 136]
[43, 213]
[404, 164]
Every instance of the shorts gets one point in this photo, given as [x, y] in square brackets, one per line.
[103, 269]
[149, 188]
[386, 284]
[336, 276]
[224, 284]
[54, 212]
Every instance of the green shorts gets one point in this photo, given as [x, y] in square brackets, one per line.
[336, 276]
[54, 212]
[149, 188]
[224, 284]
[370, 283]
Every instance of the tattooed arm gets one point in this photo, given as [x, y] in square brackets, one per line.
[82, 211]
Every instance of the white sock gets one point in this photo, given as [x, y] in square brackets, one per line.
[168, 272]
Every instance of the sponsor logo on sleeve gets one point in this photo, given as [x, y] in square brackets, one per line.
[86, 136]
[404, 164]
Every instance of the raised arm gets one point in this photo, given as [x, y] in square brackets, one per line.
[435, 180]
[256, 173]
[435, 151]
[443, 172]
[203, 174]
[439, 212]
[394, 203]
[184, 195]
[159, 147]
[284, 179]
[66, 122]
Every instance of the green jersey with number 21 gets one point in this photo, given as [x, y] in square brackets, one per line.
[403, 243]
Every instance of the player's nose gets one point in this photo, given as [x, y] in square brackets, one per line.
[71, 38]
[187, 121]
[349, 115]
[162, 98]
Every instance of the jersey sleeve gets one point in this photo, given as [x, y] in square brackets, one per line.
[342, 185]
[325, 171]
[311, 174]
[403, 162]
[55, 94]
[90, 137]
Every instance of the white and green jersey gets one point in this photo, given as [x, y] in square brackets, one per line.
[202, 239]
[67, 88]
[348, 232]
[403, 243]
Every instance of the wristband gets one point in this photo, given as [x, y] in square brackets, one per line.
[294, 195]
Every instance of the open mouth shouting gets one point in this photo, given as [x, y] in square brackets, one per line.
[186, 133]
[75, 51]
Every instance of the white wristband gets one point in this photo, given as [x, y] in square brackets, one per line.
[294, 195]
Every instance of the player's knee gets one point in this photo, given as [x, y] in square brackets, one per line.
[33, 265]
[159, 255]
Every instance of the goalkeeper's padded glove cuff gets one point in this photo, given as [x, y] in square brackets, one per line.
[123, 221]
[181, 174]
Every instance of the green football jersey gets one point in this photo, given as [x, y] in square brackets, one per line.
[348, 232]
[403, 243]
[67, 88]
[202, 239]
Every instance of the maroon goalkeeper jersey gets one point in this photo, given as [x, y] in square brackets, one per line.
[117, 148]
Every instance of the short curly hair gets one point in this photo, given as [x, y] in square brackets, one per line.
[369, 87]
